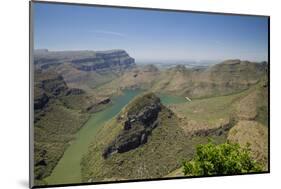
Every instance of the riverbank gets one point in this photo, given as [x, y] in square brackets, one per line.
[68, 169]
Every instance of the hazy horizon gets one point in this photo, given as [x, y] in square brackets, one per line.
[151, 35]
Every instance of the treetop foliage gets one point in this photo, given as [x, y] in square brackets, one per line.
[223, 159]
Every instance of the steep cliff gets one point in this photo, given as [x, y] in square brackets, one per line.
[115, 59]
[84, 60]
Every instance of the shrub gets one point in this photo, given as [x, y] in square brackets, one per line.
[223, 159]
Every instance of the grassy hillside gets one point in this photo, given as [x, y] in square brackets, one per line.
[175, 138]
[137, 78]
[221, 79]
[52, 134]
[163, 152]
[250, 104]
[253, 134]
[59, 112]
[246, 112]
[85, 80]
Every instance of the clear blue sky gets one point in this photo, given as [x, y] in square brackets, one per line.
[150, 35]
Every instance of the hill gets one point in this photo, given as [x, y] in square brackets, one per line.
[59, 112]
[143, 141]
[57, 116]
[253, 134]
[84, 69]
[220, 79]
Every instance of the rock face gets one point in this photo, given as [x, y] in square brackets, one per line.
[106, 59]
[56, 86]
[74, 91]
[104, 101]
[50, 85]
[140, 119]
[84, 60]
[40, 100]
[47, 85]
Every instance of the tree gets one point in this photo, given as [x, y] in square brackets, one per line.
[223, 159]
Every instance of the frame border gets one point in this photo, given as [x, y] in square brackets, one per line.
[31, 133]
[31, 100]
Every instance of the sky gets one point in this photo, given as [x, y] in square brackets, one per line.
[151, 35]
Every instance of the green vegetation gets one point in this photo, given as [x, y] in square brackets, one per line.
[68, 169]
[262, 103]
[208, 110]
[254, 104]
[171, 99]
[255, 134]
[167, 145]
[56, 122]
[204, 115]
[201, 115]
[73, 126]
[141, 102]
[52, 133]
[214, 112]
[221, 79]
[223, 159]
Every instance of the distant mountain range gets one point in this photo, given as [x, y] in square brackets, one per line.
[219, 79]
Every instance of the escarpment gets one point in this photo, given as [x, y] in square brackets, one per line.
[118, 59]
[84, 60]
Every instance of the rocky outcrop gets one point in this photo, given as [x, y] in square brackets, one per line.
[222, 129]
[74, 91]
[40, 100]
[104, 101]
[49, 85]
[55, 86]
[141, 118]
[98, 105]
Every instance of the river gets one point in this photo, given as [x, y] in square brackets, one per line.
[68, 170]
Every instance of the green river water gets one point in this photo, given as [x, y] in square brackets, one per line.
[68, 169]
